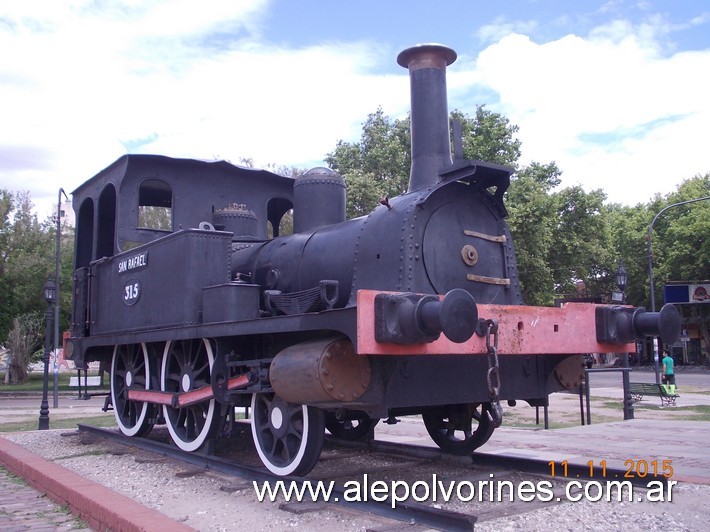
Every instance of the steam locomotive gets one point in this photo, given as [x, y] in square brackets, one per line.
[184, 284]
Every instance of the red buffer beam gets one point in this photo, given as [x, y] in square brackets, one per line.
[522, 330]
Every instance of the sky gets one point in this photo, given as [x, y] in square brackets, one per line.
[616, 92]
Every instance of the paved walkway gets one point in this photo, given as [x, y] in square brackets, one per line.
[24, 407]
[24, 508]
[21, 506]
[635, 443]
[99, 506]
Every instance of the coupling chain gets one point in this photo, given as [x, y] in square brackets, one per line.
[493, 375]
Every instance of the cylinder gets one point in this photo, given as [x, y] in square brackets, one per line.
[431, 147]
[320, 371]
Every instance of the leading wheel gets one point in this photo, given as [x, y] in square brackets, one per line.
[288, 437]
[350, 429]
[459, 429]
[130, 368]
[187, 365]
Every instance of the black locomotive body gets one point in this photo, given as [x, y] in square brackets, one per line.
[185, 286]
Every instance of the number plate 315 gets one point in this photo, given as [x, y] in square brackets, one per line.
[131, 291]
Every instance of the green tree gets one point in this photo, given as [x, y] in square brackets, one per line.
[488, 136]
[375, 166]
[628, 226]
[6, 297]
[24, 339]
[684, 247]
[563, 238]
[582, 243]
[532, 221]
[680, 246]
[26, 258]
[378, 164]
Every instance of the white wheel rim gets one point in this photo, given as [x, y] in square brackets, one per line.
[265, 459]
[129, 430]
[187, 445]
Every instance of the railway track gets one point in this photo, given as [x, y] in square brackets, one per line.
[410, 512]
[581, 472]
[378, 462]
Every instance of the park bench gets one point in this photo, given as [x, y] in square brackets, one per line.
[84, 381]
[639, 389]
[94, 380]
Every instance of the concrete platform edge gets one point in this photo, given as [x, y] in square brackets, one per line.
[96, 505]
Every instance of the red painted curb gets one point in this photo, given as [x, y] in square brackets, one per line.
[98, 506]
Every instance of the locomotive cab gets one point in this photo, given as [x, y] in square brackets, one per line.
[140, 198]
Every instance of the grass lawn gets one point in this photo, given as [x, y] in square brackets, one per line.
[57, 421]
[104, 420]
[34, 384]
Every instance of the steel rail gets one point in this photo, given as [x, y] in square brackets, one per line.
[572, 471]
[410, 512]
[404, 511]
[520, 464]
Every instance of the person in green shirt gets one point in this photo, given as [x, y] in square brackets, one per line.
[668, 367]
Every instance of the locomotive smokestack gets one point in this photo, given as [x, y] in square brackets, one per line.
[431, 148]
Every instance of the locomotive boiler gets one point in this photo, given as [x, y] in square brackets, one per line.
[186, 286]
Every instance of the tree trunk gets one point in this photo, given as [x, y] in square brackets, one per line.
[18, 372]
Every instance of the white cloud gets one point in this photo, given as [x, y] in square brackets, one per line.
[500, 28]
[194, 78]
[609, 108]
[614, 108]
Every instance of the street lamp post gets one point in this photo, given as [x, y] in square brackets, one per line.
[50, 292]
[622, 278]
[650, 273]
[56, 306]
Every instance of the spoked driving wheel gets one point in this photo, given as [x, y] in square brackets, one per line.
[130, 368]
[187, 365]
[459, 429]
[350, 429]
[288, 437]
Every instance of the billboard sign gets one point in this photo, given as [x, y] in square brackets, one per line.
[687, 293]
